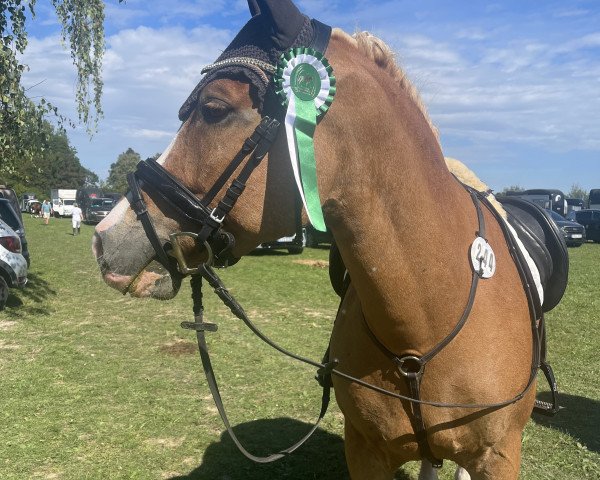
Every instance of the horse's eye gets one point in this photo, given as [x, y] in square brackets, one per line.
[214, 110]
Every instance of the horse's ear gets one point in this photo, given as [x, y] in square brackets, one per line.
[285, 19]
[253, 6]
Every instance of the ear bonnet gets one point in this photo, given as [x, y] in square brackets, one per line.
[275, 27]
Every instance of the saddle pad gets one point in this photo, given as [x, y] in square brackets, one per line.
[544, 243]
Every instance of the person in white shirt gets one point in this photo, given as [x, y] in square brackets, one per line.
[76, 219]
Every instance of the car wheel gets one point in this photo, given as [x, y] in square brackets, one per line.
[310, 240]
[295, 250]
[3, 293]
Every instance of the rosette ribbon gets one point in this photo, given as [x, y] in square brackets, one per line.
[305, 82]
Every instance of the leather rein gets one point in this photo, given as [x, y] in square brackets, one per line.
[212, 238]
[151, 176]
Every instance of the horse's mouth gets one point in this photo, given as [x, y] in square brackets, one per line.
[153, 281]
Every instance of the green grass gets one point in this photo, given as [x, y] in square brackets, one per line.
[97, 385]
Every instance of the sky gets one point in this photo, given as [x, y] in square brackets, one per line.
[512, 86]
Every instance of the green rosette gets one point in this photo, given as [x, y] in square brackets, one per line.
[305, 83]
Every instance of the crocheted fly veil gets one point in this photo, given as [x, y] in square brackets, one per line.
[275, 26]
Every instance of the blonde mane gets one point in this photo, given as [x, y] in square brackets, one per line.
[383, 56]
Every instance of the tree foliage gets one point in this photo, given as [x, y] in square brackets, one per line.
[117, 175]
[56, 167]
[578, 192]
[512, 188]
[23, 135]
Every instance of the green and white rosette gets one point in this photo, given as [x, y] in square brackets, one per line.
[304, 80]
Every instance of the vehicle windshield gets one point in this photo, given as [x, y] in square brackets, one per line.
[69, 202]
[102, 202]
[8, 215]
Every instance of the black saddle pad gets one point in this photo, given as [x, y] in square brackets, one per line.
[544, 242]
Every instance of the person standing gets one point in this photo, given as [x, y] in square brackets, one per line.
[46, 211]
[76, 219]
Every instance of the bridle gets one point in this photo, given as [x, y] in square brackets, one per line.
[212, 238]
[153, 177]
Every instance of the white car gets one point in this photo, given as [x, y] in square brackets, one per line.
[13, 266]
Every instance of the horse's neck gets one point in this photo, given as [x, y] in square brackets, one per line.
[399, 220]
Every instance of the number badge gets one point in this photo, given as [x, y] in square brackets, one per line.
[483, 258]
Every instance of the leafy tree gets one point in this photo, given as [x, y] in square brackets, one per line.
[23, 135]
[91, 178]
[117, 175]
[578, 192]
[512, 188]
[56, 167]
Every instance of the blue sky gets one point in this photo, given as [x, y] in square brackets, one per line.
[513, 86]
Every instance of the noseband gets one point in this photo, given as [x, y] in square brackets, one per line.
[152, 177]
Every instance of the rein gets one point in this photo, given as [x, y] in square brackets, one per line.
[212, 238]
[405, 364]
[217, 242]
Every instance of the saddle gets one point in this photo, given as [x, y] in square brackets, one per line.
[544, 243]
[536, 230]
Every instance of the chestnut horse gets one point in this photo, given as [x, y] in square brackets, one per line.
[403, 226]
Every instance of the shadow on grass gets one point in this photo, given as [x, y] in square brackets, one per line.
[37, 291]
[579, 418]
[321, 457]
[265, 252]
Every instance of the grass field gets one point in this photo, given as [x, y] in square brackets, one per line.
[94, 385]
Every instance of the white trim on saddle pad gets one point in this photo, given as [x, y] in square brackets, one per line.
[535, 273]
[468, 177]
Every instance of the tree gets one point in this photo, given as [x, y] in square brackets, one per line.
[117, 175]
[56, 167]
[22, 133]
[578, 192]
[512, 188]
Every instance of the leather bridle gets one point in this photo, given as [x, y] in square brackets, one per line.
[153, 177]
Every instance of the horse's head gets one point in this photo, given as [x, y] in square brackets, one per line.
[220, 114]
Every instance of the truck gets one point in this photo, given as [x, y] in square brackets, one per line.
[550, 199]
[86, 197]
[62, 201]
[594, 199]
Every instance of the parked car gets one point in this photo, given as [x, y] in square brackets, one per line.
[10, 195]
[590, 219]
[9, 216]
[573, 232]
[292, 244]
[98, 209]
[314, 237]
[13, 266]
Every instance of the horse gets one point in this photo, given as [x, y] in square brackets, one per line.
[35, 209]
[403, 226]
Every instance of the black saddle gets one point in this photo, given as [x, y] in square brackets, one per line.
[544, 242]
[539, 234]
